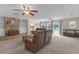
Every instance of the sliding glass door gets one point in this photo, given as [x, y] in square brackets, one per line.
[56, 28]
[46, 24]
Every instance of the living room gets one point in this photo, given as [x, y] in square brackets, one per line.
[39, 28]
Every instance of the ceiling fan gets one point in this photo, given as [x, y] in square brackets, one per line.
[26, 10]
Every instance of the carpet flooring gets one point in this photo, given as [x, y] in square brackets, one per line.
[58, 45]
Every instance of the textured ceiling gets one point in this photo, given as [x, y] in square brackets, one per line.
[46, 11]
[56, 11]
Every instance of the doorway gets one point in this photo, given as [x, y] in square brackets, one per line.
[56, 28]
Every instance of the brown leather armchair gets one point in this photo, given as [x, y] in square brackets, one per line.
[35, 42]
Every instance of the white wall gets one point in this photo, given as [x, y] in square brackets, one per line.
[65, 23]
[2, 26]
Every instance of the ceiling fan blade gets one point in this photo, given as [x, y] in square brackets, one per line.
[34, 11]
[18, 10]
[23, 6]
[31, 13]
[23, 13]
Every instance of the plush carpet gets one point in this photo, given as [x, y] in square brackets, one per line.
[58, 45]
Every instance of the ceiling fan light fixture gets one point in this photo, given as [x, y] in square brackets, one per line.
[26, 12]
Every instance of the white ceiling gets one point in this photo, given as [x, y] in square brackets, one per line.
[56, 11]
[45, 11]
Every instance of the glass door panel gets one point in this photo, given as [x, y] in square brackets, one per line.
[46, 24]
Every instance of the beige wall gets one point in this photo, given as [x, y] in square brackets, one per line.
[65, 23]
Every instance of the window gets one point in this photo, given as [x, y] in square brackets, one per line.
[72, 24]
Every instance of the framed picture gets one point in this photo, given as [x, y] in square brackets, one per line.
[72, 24]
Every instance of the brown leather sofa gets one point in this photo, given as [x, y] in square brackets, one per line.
[48, 36]
[40, 38]
[35, 42]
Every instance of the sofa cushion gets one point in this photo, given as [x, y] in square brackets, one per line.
[30, 40]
